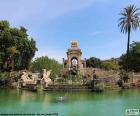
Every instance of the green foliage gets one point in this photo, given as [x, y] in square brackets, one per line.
[12, 50]
[108, 65]
[15, 47]
[122, 82]
[130, 19]
[4, 25]
[46, 63]
[4, 76]
[97, 63]
[134, 58]
[93, 62]
[99, 87]
[124, 76]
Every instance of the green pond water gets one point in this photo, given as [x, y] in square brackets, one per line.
[111, 103]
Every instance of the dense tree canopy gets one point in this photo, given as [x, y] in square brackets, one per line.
[93, 62]
[97, 63]
[16, 48]
[134, 58]
[46, 63]
[109, 65]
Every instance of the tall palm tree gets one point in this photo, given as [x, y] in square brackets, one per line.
[129, 20]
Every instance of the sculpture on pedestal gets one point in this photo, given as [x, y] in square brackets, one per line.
[46, 80]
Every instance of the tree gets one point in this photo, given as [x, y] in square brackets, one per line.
[134, 58]
[3, 25]
[93, 62]
[123, 79]
[46, 63]
[16, 48]
[97, 63]
[108, 65]
[123, 76]
[11, 51]
[129, 20]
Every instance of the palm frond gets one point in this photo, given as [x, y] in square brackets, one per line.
[129, 19]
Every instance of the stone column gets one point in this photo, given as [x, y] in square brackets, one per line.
[69, 62]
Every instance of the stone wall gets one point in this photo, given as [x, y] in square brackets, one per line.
[67, 88]
[89, 72]
[135, 77]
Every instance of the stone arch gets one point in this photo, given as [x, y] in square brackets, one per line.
[74, 62]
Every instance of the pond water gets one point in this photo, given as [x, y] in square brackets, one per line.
[111, 103]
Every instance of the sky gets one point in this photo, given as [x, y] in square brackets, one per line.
[55, 23]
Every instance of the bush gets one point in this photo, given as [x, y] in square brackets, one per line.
[133, 63]
[124, 76]
[99, 87]
[108, 65]
[4, 76]
[125, 86]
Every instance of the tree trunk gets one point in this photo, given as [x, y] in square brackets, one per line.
[128, 44]
[12, 64]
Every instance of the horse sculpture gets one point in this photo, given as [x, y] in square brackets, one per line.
[46, 80]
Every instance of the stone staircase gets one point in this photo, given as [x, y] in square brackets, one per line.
[67, 88]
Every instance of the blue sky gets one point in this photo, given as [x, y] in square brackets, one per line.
[55, 23]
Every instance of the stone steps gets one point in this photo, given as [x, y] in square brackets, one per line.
[67, 88]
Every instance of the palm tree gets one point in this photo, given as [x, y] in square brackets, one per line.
[129, 20]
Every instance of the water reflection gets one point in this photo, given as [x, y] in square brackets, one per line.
[75, 103]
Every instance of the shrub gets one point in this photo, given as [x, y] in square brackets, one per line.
[4, 76]
[99, 87]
